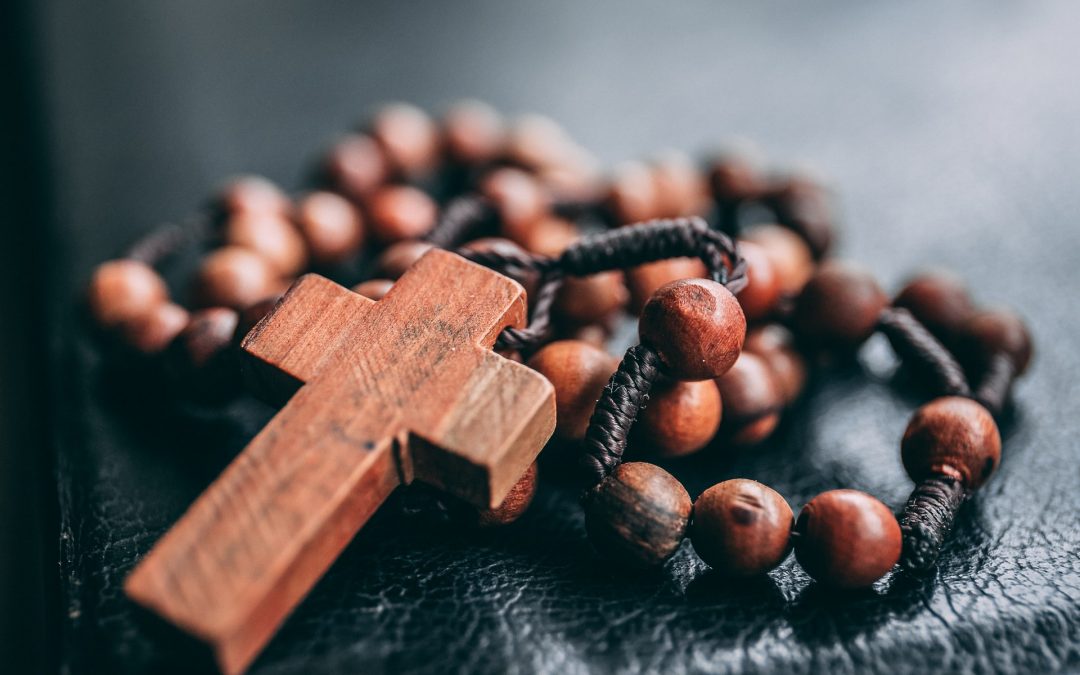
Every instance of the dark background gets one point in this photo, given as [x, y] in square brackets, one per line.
[951, 134]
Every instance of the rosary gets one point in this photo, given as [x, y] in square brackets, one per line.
[476, 333]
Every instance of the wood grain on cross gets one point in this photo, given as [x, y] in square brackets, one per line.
[382, 393]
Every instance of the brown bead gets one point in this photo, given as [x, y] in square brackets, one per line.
[150, 333]
[549, 236]
[408, 137]
[235, 277]
[998, 332]
[519, 199]
[331, 226]
[681, 189]
[632, 193]
[807, 208]
[400, 212]
[201, 360]
[939, 300]
[578, 180]
[775, 345]
[847, 539]
[637, 515]
[680, 418]
[253, 195]
[536, 141]
[514, 504]
[375, 289]
[579, 372]
[696, 326]
[124, 290]
[595, 334]
[762, 292]
[253, 314]
[752, 400]
[356, 165]
[644, 280]
[955, 437]
[790, 256]
[839, 306]
[585, 300]
[393, 262]
[273, 237]
[741, 528]
[474, 132]
[735, 178]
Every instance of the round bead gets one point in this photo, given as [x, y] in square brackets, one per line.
[839, 306]
[591, 299]
[762, 292]
[408, 136]
[752, 400]
[253, 195]
[331, 226]
[401, 212]
[741, 528]
[790, 256]
[644, 280]
[680, 418]
[124, 290]
[775, 345]
[579, 372]
[519, 199]
[200, 359]
[999, 332]
[151, 332]
[514, 504]
[474, 132]
[632, 193]
[235, 277]
[735, 178]
[271, 236]
[696, 326]
[808, 209]
[681, 189]
[939, 300]
[374, 289]
[637, 515]
[955, 437]
[356, 165]
[536, 141]
[847, 539]
[549, 236]
[399, 257]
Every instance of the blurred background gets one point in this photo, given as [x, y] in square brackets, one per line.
[950, 132]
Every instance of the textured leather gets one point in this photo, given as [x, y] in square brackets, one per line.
[952, 139]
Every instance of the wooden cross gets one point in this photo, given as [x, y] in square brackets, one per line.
[382, 393]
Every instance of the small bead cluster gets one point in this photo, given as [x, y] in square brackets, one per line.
[729, 315]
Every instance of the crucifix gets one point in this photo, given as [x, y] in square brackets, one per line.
[378, 394]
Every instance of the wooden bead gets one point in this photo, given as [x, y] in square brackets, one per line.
[998, 332]
[840, 305]
[762, 292]
[696, 326]
[400, 212]
[273, 237]
[235, 277]
[681, 189]
[847, 539]
[632, 193]
[807, 208]
[408, 137]
[331, 226]
[644, 280]
[791, 257]
[939, 300]
[741, 528]
[200, 361]
[955, 437]
[549, 236]
[124, 290]
[591, 299]
[680, 418]
[752, 400]
[474, 132]
[397, 258]
[376, 289]
[515, 503]
[151, 332]
[735, 178]
[579, 372]
[253, 195]
[637, 515]
[775, 345]
[519, 199]
[595, 334]
[536, 141]
[356, 165]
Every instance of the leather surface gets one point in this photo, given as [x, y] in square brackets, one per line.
[951, 135]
